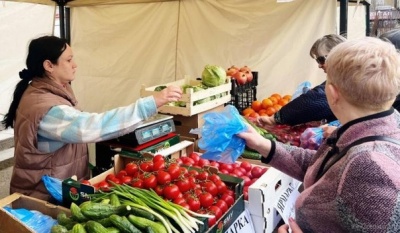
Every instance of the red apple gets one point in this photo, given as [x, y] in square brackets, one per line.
[231, 71]
[245, 68]
[249, 76]
[241, 78]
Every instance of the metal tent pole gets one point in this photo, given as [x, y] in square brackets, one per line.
[343, 17]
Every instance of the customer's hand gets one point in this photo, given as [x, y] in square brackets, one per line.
[328, 130]
[293, 226]
[266, 120]
[168, 94]
[255, 141]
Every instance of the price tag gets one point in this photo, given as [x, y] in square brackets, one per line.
[243, 224]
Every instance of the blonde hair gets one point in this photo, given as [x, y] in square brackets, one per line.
[366, 71]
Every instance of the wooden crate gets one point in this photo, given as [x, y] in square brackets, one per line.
[190, 97]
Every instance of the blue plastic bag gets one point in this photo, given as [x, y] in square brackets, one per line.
[301, 89]
[219, 138]
[54, 187]
[34, 219]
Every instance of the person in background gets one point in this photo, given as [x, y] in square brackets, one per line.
[349, 185]
[51, 131]
[312, 105]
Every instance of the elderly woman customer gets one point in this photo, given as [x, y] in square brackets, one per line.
[351, 183]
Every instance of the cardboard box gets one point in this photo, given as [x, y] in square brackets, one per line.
[74, 191]
[10, 224]
[264, 194]
[191, 97]
[226, 220]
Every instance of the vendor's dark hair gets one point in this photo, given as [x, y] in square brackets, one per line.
[392, 36]
[39, 50]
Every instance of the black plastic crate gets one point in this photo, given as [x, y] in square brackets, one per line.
[243, 95]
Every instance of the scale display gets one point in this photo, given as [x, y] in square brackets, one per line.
[157, 126]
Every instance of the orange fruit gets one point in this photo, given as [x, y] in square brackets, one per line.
[283, 102]
[262, 111]
[254, 114]
[270, 111]
[256, 105]
[277, 96]
[288, 97]
[277, 107]
[266, 103]
[273, 99]
[247, 111]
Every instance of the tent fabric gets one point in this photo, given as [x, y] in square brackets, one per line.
[14, 41]
[120, 48]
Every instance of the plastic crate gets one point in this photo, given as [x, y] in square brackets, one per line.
[243, 95]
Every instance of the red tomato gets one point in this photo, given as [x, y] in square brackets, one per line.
[214, 177]
[149, 181]
[229, 200]
[226, 166]
[126, 180]
[104, 186]
[246, 165]
[131, 169]
[146, 166]
[110, 177]
[203, 162]
[183, 184]
[137, 183]
[121, 174]
[214, 164]
[173, 170]
[210, 187]
[86, 182]
[247, 180]
[222, 205]
[256, 172]
[183, 171]
[195, 157]
[211, 221]
[157, 158]
[206, 199]
[187, 161]
[163, 177]
[179, 200]
[216, 211]
[159, 189]
[194, 203]
[171, 191]
[158, 165]
[221, 186]
[203, 175]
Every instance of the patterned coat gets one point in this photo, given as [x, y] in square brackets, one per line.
[360, 192]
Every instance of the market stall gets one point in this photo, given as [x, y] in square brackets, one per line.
[122, 47]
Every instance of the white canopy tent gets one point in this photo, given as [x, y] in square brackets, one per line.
[121, 45]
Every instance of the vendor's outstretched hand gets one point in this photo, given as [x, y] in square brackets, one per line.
[168, 94]
[266, 120]
[293, 225]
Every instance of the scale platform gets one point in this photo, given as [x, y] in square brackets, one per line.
[151, 129]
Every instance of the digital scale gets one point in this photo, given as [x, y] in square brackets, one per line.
[151, 129]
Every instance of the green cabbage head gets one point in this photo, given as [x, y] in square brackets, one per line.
[213, 76]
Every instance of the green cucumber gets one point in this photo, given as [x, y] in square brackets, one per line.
[112, 230]
[250, 154]
[143, 223]
[142, 213]
[114, 200]
[95, 227]
[78, 228]
[99, 210]
[59, 229]
[123, 224]
[63, 220]
[76, 213]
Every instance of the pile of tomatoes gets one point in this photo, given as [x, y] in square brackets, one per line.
[196, 189]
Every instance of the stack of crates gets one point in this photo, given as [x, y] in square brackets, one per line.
[243, 95]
